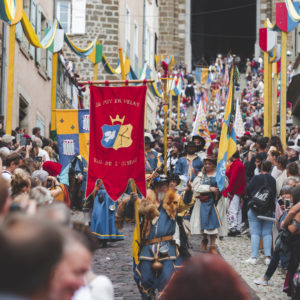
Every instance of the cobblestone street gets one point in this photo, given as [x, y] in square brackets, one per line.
[236, 250]
[115, 261]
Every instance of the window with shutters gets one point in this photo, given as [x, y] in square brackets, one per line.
[20, 37]
[71, 15]
[32, 18]
[43, 61]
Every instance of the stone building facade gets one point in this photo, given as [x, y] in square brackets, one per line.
[141, 28]
[107, 19]
[174, 29]
[102, 20]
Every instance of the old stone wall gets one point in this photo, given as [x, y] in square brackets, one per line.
[172, 28]
[102, 19]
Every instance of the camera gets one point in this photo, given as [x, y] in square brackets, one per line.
[38, 158]
[49, 183]
[280, 202]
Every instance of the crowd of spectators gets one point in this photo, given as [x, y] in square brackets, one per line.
[34, 205]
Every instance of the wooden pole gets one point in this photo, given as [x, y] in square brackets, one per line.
[274, 97]
[170, 111]
[266, 95]
[53, 95]
[270, 99]
[102, 82]
[283, 89]
[122, 64]
[178, 112]
[10, 79]
[95, 72]
[165, 107]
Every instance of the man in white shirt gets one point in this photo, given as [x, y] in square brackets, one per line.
[43, 153]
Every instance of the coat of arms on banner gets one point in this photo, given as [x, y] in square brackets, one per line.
[116, 136]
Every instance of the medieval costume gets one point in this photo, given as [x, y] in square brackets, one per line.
[190, 165]
[153, 159]
[158, 253]
[103, 217]
[205, 217]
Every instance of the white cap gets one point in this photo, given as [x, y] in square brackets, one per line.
[149, 135]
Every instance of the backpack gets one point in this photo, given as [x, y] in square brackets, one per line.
[262, 203]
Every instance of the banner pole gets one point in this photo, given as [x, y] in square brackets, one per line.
[178, 112]
[10, 79]
[283, 89]
[95, 71]
[170, 112]
[266, 95]
[274, 98]
[53, 95]
[103, 82]
[270, 98]
[122, 64]
[165, 107]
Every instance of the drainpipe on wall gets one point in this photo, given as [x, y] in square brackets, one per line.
[144, 34]
[3, 68]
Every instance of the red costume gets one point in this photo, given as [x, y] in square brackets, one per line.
[237, 179]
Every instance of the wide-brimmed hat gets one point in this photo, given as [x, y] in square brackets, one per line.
[174, 177]
[211, 157]
[294, 147]
[201, 139]
[160, 179]
[190, 145]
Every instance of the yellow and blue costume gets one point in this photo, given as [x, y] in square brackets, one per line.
[189, 166]
[158, 225]
[153, 160]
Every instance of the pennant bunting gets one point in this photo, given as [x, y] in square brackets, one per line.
[200, 125]
[238, 122]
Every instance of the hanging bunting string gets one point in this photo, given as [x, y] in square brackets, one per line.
[33, 38]
[8, 10]
[292, 11]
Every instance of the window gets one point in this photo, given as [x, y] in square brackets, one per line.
[78, 17]
[43, 62]
[71, 15]
[64, 15]
[23, 112]
[33, 19]
[41, 124]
